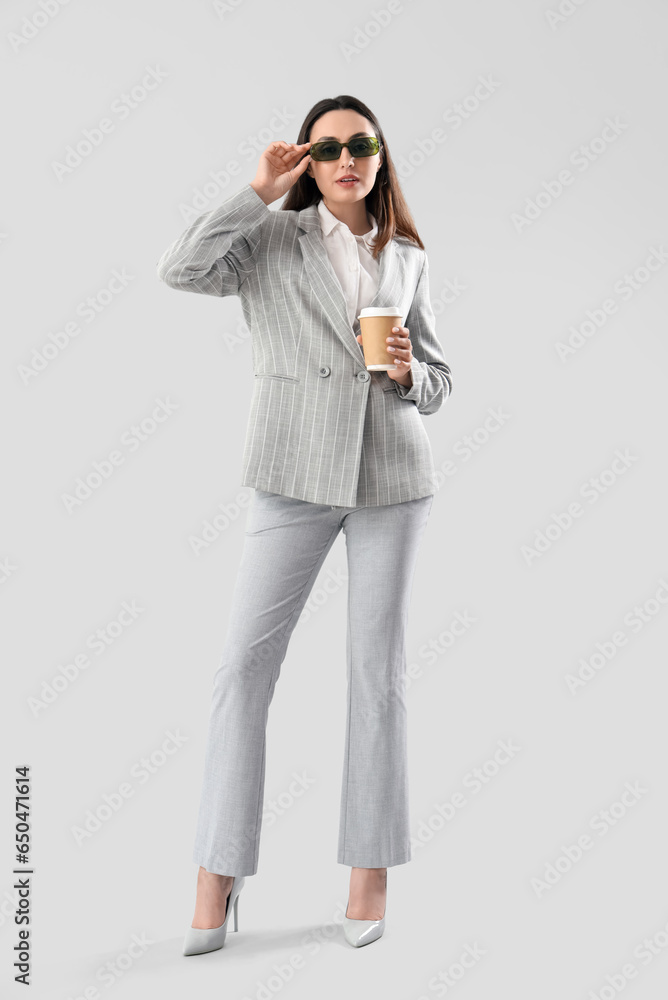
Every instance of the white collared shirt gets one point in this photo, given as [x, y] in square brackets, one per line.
[352, 261]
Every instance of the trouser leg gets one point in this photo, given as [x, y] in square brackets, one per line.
[382, 545]
[285, 545]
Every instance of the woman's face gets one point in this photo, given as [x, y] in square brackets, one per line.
[343, 125]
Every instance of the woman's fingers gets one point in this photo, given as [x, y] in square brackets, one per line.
[289, 146]
[286, 156]
[282, 148]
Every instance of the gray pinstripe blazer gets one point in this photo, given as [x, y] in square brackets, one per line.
[321, 427]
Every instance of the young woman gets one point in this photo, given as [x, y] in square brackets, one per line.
[330, 446]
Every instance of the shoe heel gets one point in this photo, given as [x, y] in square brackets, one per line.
[236, 908]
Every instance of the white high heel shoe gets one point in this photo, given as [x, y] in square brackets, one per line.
[199, 940]
[361, 932]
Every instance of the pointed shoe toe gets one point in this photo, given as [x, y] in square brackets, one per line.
[199, 940]
[361, 932]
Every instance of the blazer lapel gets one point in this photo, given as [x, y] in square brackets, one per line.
[326, 286]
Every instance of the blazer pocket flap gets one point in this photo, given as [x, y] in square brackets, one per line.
[282, 378]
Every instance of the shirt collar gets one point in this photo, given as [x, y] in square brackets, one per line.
[328, 222]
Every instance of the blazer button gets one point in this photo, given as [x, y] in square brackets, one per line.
[363, 376]
[324, 370]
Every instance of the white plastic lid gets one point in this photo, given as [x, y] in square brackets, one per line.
[380, 311]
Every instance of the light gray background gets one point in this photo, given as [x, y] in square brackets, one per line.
[67, 574]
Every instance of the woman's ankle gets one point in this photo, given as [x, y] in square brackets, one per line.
[211, 876]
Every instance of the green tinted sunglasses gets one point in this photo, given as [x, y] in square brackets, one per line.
[330, 149]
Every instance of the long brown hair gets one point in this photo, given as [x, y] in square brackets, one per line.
[385, 201]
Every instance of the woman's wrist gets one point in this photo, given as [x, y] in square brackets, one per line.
[261, 193]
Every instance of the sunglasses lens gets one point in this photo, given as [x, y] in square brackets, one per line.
[331, 150]
[364, 146]
[327, 151]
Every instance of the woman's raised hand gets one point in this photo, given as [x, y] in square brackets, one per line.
[279, 167]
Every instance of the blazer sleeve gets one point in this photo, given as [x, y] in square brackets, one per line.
[432, 378]
[218, 251]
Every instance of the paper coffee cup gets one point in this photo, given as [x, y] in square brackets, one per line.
[375, 325]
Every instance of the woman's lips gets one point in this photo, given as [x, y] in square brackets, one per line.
[350, 183]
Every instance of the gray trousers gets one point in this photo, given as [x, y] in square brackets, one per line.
[285, 545]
